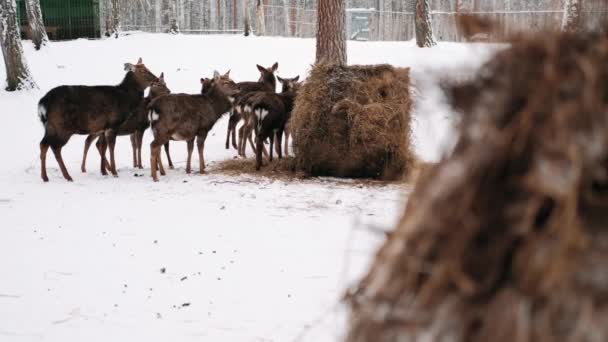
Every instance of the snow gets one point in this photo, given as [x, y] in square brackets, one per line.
[194, 257]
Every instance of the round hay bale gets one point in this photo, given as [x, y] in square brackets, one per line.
[506, 239]
[354, 121]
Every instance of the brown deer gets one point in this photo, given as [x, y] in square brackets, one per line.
[270, 114]
[186, 117]
[266, 82]
[245, 106]
[68, 110]
[134, 126]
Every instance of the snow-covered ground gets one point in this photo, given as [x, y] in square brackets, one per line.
[194, 257]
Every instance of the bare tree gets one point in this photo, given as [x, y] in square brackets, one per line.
[571, 20]
[424, 29]
[18, 75]
[247, 18]
[286, 16]
[34, 17]
[260, 24]
[331, 33]
[114, 26]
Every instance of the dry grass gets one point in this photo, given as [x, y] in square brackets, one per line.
[285, 169]
[279, 168]
[354, 122]
[507, 238]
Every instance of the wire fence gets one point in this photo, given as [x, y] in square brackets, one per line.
[365, 19]
[389, 20]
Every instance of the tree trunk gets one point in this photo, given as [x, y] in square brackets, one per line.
[115, 18]
[34, 17]
[247, 18]
[18, 75]
[424, 30]
[331, 34]
[221, 10]
[286, 16]
[571, 21]
[260, 25]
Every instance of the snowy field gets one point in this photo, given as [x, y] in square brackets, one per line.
[194, 257]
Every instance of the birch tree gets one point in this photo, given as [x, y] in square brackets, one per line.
[18, 75]
[34, 17]
[424, 29]
[571, 20]
[331, 34]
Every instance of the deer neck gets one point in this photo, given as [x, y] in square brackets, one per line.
[219, 101]
[131, 85]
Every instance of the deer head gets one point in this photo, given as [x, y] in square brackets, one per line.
[289, 83]
[142, 75]
[267, 74]
[220, 82]
[158, 88]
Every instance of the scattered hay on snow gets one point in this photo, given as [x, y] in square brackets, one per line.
[354, 121]
[507, 238]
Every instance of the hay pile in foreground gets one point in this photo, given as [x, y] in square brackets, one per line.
[507, 238]
[354, 121]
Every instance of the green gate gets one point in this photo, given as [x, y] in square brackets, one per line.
[65, 19]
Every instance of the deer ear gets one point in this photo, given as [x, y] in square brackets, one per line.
[139, 61]
[261, 68]
[216, 75]
[202, 81]
[162, 77]
[275, 66]
[129, 67]
[280, 79]
[297, 78]
[227, 74]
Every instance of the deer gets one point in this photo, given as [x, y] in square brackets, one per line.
[266, 82]
[244, 106]
[134, 126]
[75, 109]
[270, 114]
[188, 117]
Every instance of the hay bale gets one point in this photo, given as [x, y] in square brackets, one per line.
[354, 121]
[507, 238]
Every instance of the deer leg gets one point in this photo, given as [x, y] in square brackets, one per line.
[250, 138]
[87, 144]
[102, 146]
[271, 138]
[279, 140]
[242, 141]
[234, 134]
[133, 139]
[44, 147]
[232, 122]
[228, 132]
[111, 140]
[161, 167]
[200, 142]
[286, 142]
[168, 156]
[189, 160]
[154, 156]
[258, 152]
[140, 138]
[64, 170]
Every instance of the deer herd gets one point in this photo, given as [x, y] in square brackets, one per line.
[105, 112]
